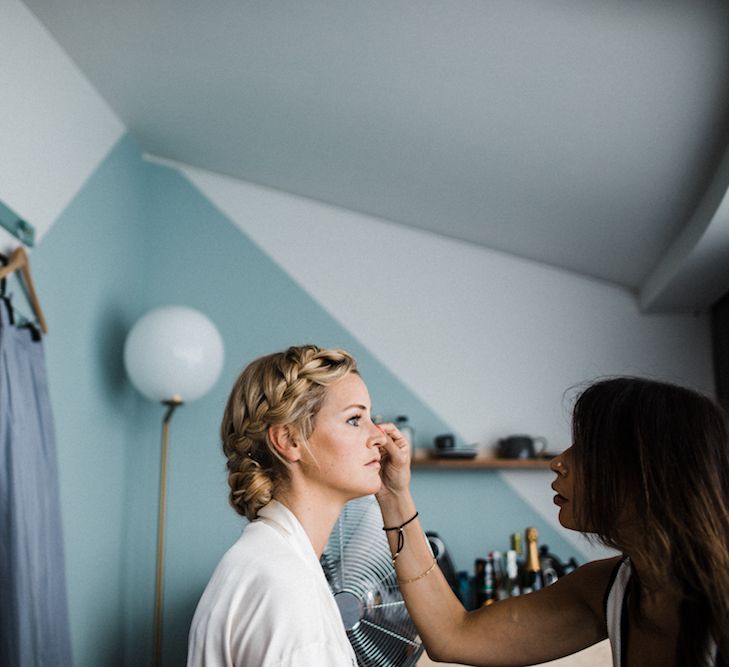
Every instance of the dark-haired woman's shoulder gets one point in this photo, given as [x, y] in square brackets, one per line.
[590, 583]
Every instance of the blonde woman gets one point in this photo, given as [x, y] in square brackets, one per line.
[300, 443]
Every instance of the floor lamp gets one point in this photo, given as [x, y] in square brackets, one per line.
[173, 355]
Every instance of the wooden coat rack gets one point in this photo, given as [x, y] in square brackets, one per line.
[19, 260]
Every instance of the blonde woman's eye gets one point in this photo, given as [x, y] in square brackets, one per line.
[354, 421]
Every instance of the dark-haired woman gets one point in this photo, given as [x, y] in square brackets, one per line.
[647, 474]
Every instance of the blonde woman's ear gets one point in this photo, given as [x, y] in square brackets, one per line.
[283, 441]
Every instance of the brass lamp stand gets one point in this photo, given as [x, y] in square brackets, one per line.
[172, 404]
[172, 351]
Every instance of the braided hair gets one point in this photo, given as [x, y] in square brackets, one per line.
[284, 388]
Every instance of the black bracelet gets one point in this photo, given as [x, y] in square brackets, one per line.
[400, 535]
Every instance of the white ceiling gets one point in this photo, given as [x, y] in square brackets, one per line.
[587, 135]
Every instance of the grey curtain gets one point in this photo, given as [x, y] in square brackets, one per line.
[34, 626]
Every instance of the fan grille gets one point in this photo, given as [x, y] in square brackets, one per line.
[358, 566]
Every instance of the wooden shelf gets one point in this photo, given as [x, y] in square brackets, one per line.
[423, 458]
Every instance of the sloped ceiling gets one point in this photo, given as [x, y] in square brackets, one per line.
[589, 136]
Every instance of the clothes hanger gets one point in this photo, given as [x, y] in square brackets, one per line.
[19, 260]
[4, 296]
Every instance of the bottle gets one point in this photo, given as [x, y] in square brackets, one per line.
[552, 568]
[489, 592]
[533, 578]
[403, 425]
[571, 566]
[512, 574]
[479, 582]
[500, 580]
[516, 547]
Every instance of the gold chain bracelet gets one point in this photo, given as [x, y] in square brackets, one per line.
[420, 576]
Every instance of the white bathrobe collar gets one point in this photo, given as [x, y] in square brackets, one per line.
[284, 521]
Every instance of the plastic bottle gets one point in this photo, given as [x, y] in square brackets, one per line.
[512, 573]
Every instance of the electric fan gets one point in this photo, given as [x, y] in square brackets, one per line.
[358, 567]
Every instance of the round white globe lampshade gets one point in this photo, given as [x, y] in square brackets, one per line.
[173, 352]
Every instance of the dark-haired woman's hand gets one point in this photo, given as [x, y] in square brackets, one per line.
[395, 463]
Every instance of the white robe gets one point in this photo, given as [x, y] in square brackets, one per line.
[268, 603]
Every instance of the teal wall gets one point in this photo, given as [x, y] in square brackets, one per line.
[138, 236]
[89, 276]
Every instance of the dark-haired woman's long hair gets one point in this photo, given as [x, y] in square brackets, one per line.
[659, 454]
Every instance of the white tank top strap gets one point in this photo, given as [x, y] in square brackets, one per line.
[614, 603]
[616, 616]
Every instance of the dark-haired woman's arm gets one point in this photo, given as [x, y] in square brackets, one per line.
[548, 624]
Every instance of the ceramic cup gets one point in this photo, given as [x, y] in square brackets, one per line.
[521, 447]
[445, 442]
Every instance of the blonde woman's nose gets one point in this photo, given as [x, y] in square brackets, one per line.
[377, 436]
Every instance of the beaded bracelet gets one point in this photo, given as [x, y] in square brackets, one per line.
[400, 535]
[420, 576]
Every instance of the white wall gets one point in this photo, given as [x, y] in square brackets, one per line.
[489, 341]
[56, 129]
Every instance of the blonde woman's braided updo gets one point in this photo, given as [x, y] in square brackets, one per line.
[284, 388]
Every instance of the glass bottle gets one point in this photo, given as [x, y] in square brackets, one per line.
[479, 582]
[533, 576]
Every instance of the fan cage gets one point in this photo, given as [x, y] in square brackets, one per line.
[358, 567]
